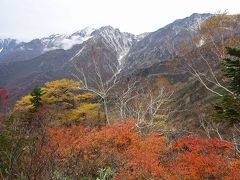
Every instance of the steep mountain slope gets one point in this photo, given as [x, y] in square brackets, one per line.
[108, 45]
[198, 73]
[163, 43]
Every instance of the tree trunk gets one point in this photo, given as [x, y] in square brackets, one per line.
[106, 110]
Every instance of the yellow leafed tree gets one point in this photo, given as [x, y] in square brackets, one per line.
[66, 103]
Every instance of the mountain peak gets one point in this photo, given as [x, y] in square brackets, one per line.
[107, 28]
[198, 15]
[191, 19]
[87, 31]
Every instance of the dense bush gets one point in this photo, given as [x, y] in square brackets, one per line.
[83, 151]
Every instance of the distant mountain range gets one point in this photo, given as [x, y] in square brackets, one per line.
[12, 50]
[24, 64]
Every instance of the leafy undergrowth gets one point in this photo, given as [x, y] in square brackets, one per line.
[82, 152]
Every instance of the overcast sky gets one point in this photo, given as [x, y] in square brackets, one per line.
[28, 19]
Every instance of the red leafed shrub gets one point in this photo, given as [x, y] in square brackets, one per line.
[143, 159]
[86, 150]
[82, 151]
[201, 158]
[3, 97]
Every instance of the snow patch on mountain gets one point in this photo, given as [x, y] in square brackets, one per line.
[200, 43]
[66, 41]
[115, 39]
[84, 32]
[121, 57]
[77, 54]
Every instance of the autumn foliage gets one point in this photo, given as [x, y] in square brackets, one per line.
[82, 151]
[203, 158]
[57, 141]
[3, 97]
[65, 102]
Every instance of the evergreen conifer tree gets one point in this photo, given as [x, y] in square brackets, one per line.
[232, 69]
[228, 109]
[36, 99]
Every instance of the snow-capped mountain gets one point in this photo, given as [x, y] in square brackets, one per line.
[108, 39]
[65, 42]
[12, 50]
[7, 44]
